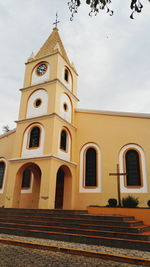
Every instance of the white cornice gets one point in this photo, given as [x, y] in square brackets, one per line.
[48, 82]
[52, 54]
[42, 158]
[114, 113]
[45, 116]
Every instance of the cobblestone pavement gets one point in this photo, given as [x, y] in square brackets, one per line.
[111, 250]
[13, 256]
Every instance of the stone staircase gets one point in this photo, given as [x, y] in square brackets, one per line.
[76, 226]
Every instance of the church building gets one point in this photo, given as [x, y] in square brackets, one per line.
[59, 156]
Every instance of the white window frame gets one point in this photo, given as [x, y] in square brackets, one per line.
[82, 188]
[127, 189]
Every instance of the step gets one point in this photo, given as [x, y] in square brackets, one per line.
[62, 213]
[88, 219]
[137, 236]
[86, 239]
[27, 221]
[41, 211]
[76, 226]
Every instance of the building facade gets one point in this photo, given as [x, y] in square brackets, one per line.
[60, 156]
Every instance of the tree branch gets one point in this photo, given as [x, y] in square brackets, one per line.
[98, 5]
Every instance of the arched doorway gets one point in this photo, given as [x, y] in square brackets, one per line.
[59, 189]
[63, 195]
[27, 187]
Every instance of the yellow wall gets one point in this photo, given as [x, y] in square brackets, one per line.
[7, 144]
[111, 133]
[48, 167]
[6, 149]
[139, 214]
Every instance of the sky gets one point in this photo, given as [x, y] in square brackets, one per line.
[110, 53]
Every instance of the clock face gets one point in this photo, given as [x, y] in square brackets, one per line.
[41, 69]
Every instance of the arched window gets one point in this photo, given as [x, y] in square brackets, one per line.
[63, 140]
[66, 75]
[26, 178]
[34, 137]
[2, 171]
[132, 162]
[90, 167]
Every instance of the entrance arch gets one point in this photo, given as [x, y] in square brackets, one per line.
[63, 194]
[27, 197]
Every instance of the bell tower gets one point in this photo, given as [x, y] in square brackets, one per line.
[46, 132]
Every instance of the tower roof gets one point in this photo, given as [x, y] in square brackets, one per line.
[52, 43]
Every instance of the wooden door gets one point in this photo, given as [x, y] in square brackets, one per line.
[59, 190]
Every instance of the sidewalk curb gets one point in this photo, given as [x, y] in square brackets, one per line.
[81, 252]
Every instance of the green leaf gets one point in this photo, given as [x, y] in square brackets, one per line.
[88, 2]
[103, 2]
[96, 3]
[78, 2]
[131, 16]
[133, 2]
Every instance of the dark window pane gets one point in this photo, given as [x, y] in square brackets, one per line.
[38, 102]
[65, 107]
[26, 178]
[63, 140]
[66, 75]
[133, 168]
[34, 137]
[2, 170]
[90, 167]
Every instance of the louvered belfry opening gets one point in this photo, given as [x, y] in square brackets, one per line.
[34, 137]
[66, 75]
[63, 140]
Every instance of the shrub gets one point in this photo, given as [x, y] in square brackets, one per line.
[148, 203]
[112, 202]
[130, 202]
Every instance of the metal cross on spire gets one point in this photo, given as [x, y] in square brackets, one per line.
[57, 21]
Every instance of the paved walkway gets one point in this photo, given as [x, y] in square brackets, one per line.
[13, 256]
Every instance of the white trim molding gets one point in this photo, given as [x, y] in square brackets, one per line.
[97, 189]
[114, 113]
[127, 189]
